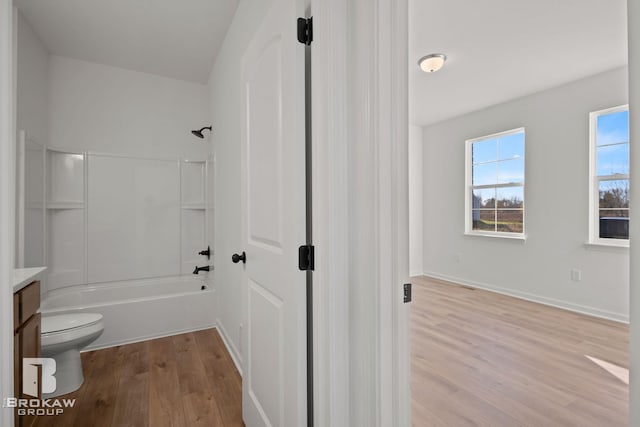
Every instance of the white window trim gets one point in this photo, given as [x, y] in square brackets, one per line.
[594, 180]
[468, 183]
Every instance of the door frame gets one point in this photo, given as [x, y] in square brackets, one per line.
[360, 107]
[7, 202]
[633, 29]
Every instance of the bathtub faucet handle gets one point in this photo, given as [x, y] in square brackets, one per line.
[206, 253]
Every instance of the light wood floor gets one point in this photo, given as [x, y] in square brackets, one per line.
[185, 380]
[484, 359]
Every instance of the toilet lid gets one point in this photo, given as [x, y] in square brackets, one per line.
[65, 322]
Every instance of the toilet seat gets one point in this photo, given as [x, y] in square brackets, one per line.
[67, 322]
[67, 329]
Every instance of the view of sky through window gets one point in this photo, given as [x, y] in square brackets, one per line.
[612, 174]
[613, 143]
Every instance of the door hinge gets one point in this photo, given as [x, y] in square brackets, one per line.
[306, 258]
[305, 30]
[407, 292]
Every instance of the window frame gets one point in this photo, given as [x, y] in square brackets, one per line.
[594, 180]
[469, 187]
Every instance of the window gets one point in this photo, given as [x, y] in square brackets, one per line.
[609, 192]
[495, 184]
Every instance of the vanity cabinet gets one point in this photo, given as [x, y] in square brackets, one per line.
[26, 341]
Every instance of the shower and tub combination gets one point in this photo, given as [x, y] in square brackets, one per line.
[141, 309]
[120, 236]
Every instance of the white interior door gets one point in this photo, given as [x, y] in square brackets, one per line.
[273, 166]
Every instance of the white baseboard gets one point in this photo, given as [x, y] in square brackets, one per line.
[147, 337]
[583, 309]
[233, 351]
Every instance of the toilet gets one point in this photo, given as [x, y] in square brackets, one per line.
[62, 338]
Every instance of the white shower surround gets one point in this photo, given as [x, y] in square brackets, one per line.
[139, 310]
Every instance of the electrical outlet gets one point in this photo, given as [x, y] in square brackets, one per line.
[576, 275]
[456, 257]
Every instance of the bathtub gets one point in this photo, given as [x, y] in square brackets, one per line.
[139, 310]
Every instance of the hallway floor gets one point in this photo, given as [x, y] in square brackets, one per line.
[183, 380]
[485, 359]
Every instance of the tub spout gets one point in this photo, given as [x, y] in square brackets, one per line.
[199, 269]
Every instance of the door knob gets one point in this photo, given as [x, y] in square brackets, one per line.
[237, 258]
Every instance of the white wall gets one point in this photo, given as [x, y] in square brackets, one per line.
[32, 80]
[416, 181]
[111, 110]
[226, 96]
[556, 198]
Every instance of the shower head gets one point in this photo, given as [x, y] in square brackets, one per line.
[198, 133]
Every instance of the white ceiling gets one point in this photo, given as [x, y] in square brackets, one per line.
[497, 49]
[504, 49]
[178, 39]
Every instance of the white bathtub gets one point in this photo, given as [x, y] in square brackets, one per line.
[139, 310]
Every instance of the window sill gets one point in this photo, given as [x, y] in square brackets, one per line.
[607, 247]
[518, 237]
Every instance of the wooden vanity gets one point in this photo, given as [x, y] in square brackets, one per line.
[26, 334]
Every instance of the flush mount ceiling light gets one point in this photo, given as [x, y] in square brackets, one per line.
[432, 62]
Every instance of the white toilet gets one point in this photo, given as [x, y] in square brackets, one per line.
[62, 337]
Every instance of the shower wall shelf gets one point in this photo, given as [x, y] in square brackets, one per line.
[193, 185]
[66, 218]
[65, 205]
[194, 206]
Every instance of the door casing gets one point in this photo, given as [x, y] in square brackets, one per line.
[360, 126]
[8, 18]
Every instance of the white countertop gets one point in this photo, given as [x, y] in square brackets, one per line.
[23, 276]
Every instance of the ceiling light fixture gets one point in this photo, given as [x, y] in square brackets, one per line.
[432, 62]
